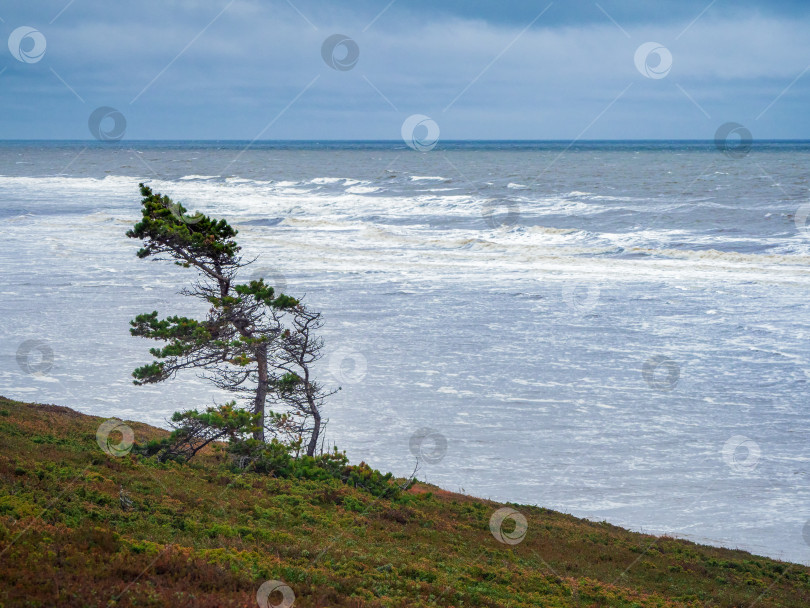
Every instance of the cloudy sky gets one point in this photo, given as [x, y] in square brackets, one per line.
[275, 69]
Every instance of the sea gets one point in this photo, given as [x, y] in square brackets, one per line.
[615, 330]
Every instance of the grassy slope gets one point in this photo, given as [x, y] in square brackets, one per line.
[200, 535]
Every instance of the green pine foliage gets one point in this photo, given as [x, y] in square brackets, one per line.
[165, 224]
[194, 430]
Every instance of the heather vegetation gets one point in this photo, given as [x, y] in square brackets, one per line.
[81, 526]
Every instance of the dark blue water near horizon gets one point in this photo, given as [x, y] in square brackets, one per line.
[498, 144]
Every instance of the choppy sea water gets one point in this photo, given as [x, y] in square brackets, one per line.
[618, 331]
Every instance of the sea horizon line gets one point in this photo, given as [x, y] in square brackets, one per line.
[393, 141]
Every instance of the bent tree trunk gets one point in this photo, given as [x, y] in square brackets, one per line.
[316, 429]
[261, 391]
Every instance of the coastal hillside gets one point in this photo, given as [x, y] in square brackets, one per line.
[81, 526]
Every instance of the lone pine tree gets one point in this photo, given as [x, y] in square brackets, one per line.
[244, 344]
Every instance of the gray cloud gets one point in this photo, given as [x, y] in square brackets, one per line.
[552, 82]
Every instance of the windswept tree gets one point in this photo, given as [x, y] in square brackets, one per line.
[242, 343]
[292, 381]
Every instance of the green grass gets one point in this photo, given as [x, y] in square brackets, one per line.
[202, 535]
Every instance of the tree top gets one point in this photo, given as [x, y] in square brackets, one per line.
[190, 240]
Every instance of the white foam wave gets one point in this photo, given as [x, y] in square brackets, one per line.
[362, 189]
[335, 225]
